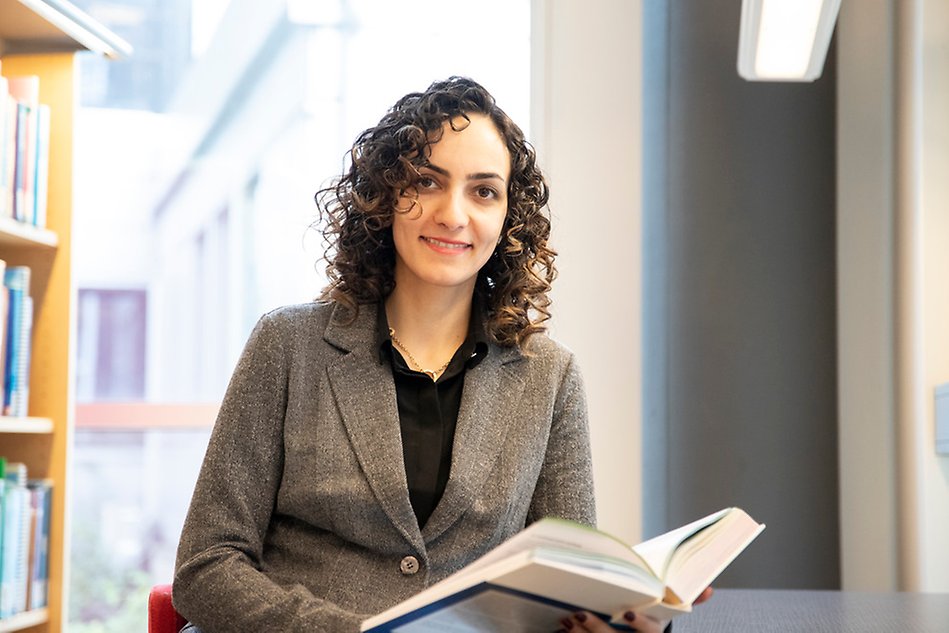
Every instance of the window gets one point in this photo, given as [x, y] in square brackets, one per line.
[111, 342]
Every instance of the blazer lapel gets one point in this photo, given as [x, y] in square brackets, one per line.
[365, 394]
[491, 393]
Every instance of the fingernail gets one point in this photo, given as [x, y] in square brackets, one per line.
[582, 617]
[629, 616]
[567, 623]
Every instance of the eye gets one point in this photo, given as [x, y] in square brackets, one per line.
[486, 193]
[425, 182]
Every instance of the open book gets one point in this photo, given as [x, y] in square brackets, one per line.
[556, 567]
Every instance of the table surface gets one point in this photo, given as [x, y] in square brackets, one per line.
[787, 611]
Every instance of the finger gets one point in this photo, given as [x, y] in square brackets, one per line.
[704, 596]
[586, 622]
[644, 623]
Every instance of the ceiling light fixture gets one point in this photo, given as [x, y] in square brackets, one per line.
[785, 40]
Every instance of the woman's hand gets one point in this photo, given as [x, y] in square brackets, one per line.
[586, 622]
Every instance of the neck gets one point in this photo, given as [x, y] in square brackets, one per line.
[433, 326]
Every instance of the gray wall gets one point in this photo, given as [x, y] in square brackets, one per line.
[739, 293]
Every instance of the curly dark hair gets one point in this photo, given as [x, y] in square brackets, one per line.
[357, 210]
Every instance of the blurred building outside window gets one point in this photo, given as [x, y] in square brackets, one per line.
[197, 161]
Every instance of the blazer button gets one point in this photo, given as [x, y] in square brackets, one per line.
[409, 566]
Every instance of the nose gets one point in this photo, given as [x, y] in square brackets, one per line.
[451, 210]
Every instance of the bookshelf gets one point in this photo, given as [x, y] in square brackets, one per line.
[40, 37]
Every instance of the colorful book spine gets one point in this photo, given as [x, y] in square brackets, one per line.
[3, 530]
[41, 494]
[16, 525]
[4, 321]
[41, 166]
[7, 130]
[24, 540]
[8, 149]
[19, 333]
[26, 91]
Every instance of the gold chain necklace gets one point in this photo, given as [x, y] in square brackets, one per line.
[431, 373]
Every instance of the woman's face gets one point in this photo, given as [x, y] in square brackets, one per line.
[462, 202]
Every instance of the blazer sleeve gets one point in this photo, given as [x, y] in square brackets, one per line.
[218, 584]
[565, 485]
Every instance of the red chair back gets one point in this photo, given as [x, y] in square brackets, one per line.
[162, 617]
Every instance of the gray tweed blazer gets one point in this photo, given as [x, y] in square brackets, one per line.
[301, 520]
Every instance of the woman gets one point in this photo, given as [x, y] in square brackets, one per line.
[374, 442]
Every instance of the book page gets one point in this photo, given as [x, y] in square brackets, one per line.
[555, 534]
[657, 552]
[700, 559]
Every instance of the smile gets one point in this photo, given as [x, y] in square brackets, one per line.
[439, 244]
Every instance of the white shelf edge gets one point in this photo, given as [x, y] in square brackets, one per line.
[27, 233]
[79, 27]
[24, 620]
[32, 424]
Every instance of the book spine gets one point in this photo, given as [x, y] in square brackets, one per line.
[19, 332]
[20, 399]
[3, 531]
[39, 575]
[15, 535]
[22, 563]
[6, 139]
[10, 508]
[41, 169]
[4, 323]
[24, 121]
[25, 90]
[9, 161]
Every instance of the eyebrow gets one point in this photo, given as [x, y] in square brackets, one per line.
[480, 175]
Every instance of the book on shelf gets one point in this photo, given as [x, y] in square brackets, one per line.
[15, 550]
[41, 167]
[24, 150]
[19, 331]
[8, 113]
[24, 540]
[4, 320]
[26, 91]
[556, 567]
[41, 491]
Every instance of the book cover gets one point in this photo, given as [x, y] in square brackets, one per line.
[556, 567]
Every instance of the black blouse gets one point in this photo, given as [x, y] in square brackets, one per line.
[428, 412]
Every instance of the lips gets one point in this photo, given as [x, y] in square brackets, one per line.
[445, 244]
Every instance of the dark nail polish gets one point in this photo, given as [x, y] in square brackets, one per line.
[582, 617]
[629, 616]
[567, 623]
